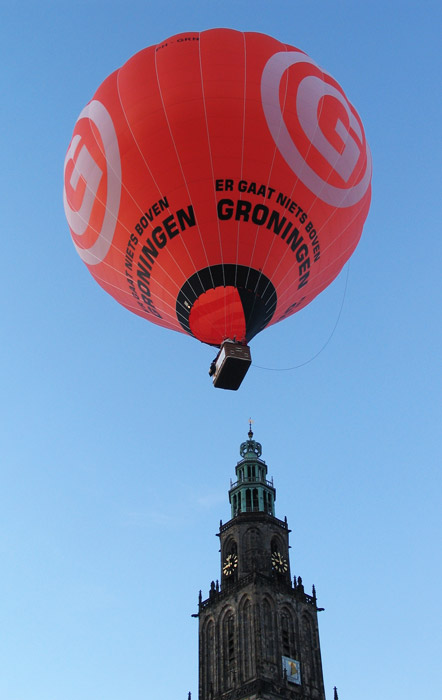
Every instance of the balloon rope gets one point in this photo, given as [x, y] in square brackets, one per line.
[307, 362]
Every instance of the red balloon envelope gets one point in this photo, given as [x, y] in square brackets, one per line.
[217, 182]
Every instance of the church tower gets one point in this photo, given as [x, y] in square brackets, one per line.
[258, 629]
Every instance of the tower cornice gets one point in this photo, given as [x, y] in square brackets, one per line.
[252, 517]
[258, 580]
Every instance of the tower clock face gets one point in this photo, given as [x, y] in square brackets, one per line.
[279, 563]
[230, 564]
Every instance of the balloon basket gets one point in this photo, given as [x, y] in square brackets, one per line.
[230, 366]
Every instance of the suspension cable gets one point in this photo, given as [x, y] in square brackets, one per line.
[288, 369]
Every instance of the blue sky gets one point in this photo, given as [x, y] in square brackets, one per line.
[115, 450]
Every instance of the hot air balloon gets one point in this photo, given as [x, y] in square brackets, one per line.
[215, 184]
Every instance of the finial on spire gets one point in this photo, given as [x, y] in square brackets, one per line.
[250, 429]
[335, 697]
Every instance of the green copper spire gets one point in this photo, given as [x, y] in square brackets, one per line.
[252, 492]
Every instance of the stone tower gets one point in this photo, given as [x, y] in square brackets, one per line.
[258, 629]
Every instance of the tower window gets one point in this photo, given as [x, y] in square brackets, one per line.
[248, 501]
[210, 655]
[228, 650]
[287, 635]
[231, 639]
[247, 640]
[268, 625]
[255, 500]
[310, 658]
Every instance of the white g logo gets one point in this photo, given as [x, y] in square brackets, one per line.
[89, 171]
[310, 91]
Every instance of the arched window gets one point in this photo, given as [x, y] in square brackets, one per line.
[210, 657]
[288, 646]
[269, 643]
[228, 636]
[230, 547]
[311, 661]
[307, 632]
[252, 539]
[247, 640]
[277, 545]
[252, 547]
